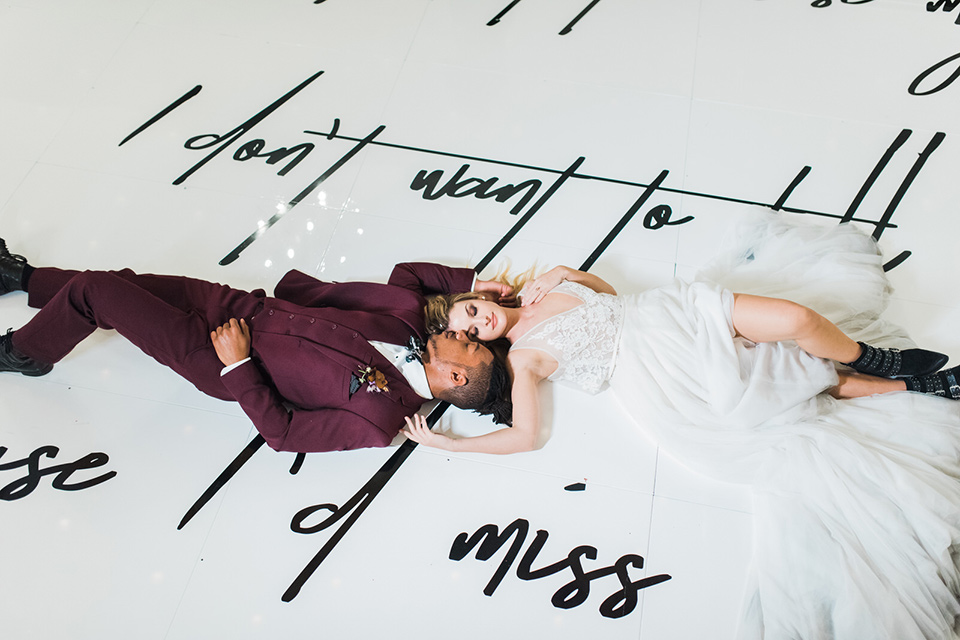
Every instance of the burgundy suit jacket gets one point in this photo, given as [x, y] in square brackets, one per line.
[309, 340]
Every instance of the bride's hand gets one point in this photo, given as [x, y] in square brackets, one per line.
[497, 292]
[536, 289]
[418, 431]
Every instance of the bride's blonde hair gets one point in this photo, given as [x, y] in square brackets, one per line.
[517, 281]
[437, 311]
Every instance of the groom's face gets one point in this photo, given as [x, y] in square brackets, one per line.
[458, 369]
[455, 347]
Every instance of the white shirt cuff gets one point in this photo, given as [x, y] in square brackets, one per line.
[233, 366]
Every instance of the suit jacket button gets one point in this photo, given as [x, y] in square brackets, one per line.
[291, 316]
[312, 320]
[356, 335]
[334, 327]
[271, 312]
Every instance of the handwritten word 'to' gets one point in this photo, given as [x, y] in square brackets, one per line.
[659, 216]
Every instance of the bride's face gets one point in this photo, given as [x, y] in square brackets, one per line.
[480, 319]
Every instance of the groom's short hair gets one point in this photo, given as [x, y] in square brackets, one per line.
[487, 390]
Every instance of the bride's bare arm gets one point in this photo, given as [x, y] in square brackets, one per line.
[543, 284]
[522, 436]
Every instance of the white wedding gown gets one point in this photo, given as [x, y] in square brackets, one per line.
[857, 502]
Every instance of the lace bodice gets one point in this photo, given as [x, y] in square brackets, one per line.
[583, 340]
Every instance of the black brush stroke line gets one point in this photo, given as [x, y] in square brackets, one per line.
[907, 181]
[616, 181]
[589, 262]
[297, 463]
[567, 29]
[570, 171]
[896, 262]
[356, 505]
[233, 255]
[496, 18]
[877, 170]
[362, 498]
[258, 441]
[222, 479]
[231, 136]
[173, 105]
[782, 200]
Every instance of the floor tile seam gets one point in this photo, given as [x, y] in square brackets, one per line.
[568, 479]
[167, 181]
[116, 174]
[847, 120]
[16, 188]
[560, 80]
[656, 478]
[71, 385]
[345, 207]
[688, 136]
[84, 96]
[276, 38]
[896, 298]
[364, 157]
[402, 66]
[196, 562]
[646, 553]
[653, 499]
[340, 214]
[702, 504]
[610, 251]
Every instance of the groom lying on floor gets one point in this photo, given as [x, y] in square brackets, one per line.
[319, 367]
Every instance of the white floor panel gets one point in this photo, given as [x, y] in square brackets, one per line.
[398, 553]
[692, 116]
[708, 549]
[649, 45]
[105, 560]
[834, 60]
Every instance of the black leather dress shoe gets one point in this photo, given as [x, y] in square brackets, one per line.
[12, 360]
[11, 270]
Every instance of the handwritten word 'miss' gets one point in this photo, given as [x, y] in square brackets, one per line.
[946, 5]
[488, 539]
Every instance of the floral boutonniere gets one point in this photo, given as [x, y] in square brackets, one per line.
[376, 382]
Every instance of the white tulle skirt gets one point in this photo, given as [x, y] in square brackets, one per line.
[857, 502]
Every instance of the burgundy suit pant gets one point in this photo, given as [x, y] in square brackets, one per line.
[168, 317]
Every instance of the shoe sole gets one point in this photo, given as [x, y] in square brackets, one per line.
[941, 362]
[37, 374]
[31, 374]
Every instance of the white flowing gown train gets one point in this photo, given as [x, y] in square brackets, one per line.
[857, 502]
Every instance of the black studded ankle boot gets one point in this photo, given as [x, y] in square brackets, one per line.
[943, 383]
[13, 360]
[896, 363]
[12, 269]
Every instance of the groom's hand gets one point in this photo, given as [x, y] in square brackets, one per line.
[232, 341]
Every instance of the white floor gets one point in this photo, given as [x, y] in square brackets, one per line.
[731, 98]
